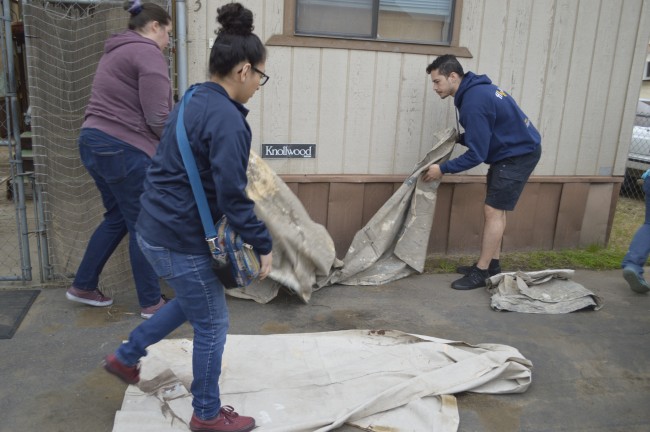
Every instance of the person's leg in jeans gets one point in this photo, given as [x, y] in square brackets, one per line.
[104, 240]
[128, 191]
[102, 243]
[639, 249]
[200, 299]
[119, 172]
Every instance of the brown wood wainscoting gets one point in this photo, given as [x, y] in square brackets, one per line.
[553, 212]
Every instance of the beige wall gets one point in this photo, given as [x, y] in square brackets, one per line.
[573, 66]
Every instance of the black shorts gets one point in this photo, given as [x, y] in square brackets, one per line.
[506, 179]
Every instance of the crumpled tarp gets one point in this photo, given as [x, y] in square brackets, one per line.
[379, 380]
[303, 251]
[394, 242]
[392, 245]
[548, 291]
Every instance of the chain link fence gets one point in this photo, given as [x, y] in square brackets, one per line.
[21, 231]
[638, 159]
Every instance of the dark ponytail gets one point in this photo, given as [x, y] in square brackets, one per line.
[235, 41]
[143, 13]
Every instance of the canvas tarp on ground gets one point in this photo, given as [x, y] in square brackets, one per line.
[392, 245]
[378, 380]
[548, 291]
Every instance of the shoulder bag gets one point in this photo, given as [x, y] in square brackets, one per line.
[236, 263]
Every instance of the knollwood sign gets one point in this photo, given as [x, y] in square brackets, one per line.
[277, 151]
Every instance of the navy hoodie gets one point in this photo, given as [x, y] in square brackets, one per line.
[220, 140]
[495, 127]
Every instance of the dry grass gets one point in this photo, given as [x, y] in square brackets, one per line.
[630, 214]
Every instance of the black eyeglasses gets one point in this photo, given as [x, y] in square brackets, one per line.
[264, 76]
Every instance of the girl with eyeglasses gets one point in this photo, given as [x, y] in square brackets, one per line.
[169, 228]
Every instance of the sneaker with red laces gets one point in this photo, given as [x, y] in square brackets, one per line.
[148, 312]
[92, 298]
[226, 421]
[128, 374]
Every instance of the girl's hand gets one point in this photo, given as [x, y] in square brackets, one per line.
[266, 262]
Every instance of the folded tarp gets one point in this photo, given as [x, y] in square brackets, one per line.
[547, 291]
[387, 380]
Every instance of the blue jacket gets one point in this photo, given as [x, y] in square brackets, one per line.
[220, 139]
[495, 127]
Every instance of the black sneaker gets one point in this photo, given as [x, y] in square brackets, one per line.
[474, 279]
[493, 269]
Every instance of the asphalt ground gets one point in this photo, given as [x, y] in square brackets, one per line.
[591, 368]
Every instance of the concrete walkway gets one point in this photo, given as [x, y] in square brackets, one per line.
[591, 369]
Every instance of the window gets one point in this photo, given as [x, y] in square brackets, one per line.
[417, 21]
[409, 26]
[646, 71]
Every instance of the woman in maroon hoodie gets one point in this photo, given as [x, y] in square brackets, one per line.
[129, 104]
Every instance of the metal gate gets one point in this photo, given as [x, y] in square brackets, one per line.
[23, 243]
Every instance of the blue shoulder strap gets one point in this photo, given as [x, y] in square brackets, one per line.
[193, 173]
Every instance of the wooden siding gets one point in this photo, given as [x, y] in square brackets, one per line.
[574, 67]
[553, 212]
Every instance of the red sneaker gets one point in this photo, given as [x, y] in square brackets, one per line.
[128, 374]
[226, 421]
[92, 298]
[148, 312]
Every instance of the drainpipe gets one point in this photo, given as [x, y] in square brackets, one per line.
[181, 46]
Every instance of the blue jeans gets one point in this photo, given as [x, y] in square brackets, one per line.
[639, 249]
[201, 300]
[119, 170]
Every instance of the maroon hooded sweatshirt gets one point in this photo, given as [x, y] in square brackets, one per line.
[131, 93]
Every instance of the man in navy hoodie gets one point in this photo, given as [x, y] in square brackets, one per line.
[498, 133]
